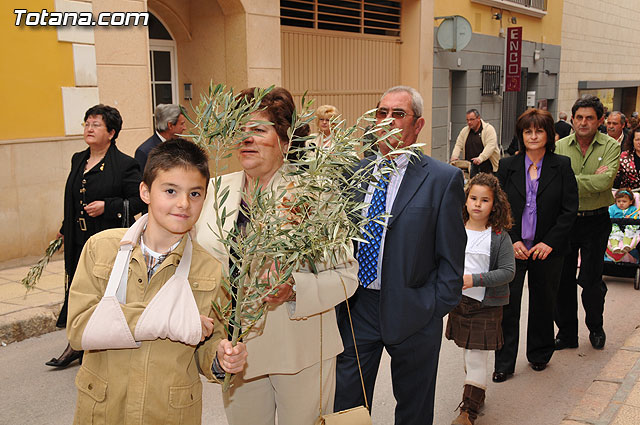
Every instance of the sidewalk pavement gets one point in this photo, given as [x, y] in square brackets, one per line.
[27, 314]
[613, 398]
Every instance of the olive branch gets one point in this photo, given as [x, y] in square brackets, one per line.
[35, 272]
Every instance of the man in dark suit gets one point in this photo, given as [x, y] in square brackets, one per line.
[562, 127]
[169, 123]
[410, 275]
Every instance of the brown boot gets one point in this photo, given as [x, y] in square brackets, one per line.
[472, 401]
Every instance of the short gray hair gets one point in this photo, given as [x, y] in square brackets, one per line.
[473, 111]
[623, 119]
[166, 114]
[562, 115]
[416, 98]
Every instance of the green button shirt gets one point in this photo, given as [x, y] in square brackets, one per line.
[594, 190]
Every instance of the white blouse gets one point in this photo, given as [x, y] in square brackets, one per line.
[476, 259]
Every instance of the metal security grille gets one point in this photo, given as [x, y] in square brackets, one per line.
[379, 17]
[490, 80]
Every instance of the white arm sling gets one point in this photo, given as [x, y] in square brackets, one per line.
[172, 313]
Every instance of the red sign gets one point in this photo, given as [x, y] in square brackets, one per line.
[514, 55]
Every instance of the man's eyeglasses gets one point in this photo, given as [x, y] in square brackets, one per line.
[382, 113]
[95, 125]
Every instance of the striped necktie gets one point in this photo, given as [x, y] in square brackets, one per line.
[368, 253]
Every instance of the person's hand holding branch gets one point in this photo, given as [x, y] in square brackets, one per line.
[283, 292]
[231, 359]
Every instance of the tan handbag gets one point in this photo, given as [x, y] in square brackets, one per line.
[354, 416]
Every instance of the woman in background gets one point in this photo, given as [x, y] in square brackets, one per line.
[325, 114]
[543, 193]
[629, 171]
[102, 192]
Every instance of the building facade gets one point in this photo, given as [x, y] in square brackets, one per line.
[345, 53]
[54, 75]
[473, 77]
[600, 53]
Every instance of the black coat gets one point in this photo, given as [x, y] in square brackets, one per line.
[116, 178]
[556, 200]
[142, 153]
[563, 129]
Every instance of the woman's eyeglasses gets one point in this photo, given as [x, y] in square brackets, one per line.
[382, 113]
[95, 125]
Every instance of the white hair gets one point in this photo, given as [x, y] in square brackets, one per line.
[165, 114]
[416, 98]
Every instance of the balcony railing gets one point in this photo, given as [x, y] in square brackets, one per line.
[536, 4]
[537, 8]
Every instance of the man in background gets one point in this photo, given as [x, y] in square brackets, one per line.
[169, 123]
[478, 143]
[616, 123]
[562, 127]
[595, 160]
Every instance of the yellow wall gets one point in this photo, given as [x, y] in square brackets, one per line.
[34, 68]
[539, 30]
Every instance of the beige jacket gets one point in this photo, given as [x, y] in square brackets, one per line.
[287, 339]
[159, 381]
[489, 138]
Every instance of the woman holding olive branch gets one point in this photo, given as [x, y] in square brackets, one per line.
[284, 226]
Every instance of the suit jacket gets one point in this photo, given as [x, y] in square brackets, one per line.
[287, 339]
[563, 129]
[423, 258]
[557, 199]
[142, 153]
[118, 180]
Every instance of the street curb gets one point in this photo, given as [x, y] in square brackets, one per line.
[611, 397]
[30, 322]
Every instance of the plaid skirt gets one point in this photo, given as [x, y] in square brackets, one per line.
[475, 327]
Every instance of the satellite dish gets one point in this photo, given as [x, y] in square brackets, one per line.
[454, 33]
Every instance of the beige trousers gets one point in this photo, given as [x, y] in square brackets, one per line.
[295, 397]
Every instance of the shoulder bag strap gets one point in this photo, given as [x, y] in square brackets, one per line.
[355, 346]
[126, 222]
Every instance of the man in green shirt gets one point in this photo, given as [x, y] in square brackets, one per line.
[594, 159]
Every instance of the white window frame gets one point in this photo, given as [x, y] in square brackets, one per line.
[165, 46]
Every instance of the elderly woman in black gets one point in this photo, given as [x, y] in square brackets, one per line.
[542, 190]
[102, 192]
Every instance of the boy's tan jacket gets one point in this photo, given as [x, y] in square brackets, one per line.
[158, 382]
[287, 340]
